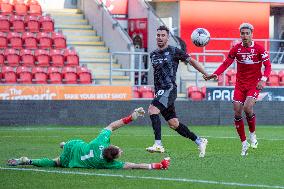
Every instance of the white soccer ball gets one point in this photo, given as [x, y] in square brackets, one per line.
[200, 37]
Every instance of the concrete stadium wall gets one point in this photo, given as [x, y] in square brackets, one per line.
[18, 113]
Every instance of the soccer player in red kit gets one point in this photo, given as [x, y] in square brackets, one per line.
[250, 57]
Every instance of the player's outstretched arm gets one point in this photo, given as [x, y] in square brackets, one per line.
[138, 112]
[198, 66]
[164, 164]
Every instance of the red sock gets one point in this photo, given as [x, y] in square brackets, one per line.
[251, 123]
[127, 119]
[239, 124]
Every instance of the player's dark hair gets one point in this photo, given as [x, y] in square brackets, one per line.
[164, 28]
[110, 153]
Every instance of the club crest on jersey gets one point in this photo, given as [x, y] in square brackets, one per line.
[264, 55]
[167, 53]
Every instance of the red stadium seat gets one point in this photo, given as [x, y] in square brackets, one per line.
[18, 2]
[24, 75]
[17, 23]
[84, 75]
[57, 57]
[71, 57]
[29, 40]
[54, 75]
[39, 75]
[146, 92]
[27, 57]
[59, 40]
[4, 23]
[32, 23]
[69, 75]
[12, 56]
[3, 40]
[6, 7]
[32, 2]
[46, 24]
[35, 8]
[203, 90]
[281, 77]
[273, 79]
[136, 92]
[231, 75]
[9, 75]
[195, 94]
[44, 40]
[15, 40]
[20, 7]
[2, 57]
[42, 57]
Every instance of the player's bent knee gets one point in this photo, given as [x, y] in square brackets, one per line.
[173, 123]
[247, 109]
[153, 110]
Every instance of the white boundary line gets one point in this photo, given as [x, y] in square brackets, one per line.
[145, 178]
[4, 128]
[122, 135]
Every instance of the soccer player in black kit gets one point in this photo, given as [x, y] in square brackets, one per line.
[165, 60]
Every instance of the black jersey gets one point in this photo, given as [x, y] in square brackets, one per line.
[165, 64]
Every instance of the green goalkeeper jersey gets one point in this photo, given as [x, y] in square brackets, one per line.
[77, 153]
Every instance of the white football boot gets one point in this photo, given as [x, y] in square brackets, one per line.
[20, 161]
[202, 147]
[156, 148]
[253, 141]
[245, 148]
[138, 112]
[61, 144]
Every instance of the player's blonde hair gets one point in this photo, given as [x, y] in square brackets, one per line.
[246, 26]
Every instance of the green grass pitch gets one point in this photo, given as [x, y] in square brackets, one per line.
[223, 167]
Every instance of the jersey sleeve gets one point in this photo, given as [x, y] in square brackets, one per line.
[103, 137]
[266, 62]
[181, 55]
[229, 60]
[114, 165]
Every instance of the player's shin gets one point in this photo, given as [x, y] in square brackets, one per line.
[185, 132]
[44, 162]
[156, 124]
[251, 122]
[240, 127]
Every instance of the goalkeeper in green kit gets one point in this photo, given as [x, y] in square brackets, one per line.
[98, 154]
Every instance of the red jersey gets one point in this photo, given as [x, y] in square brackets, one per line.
[249, 63]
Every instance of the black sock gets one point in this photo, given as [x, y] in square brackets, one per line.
[185, 132]
[156, 124]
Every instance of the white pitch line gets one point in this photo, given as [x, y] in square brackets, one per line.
[122, 135]
[95, 127]
[146, 178]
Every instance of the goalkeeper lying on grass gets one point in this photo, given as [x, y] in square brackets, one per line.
[98, 154]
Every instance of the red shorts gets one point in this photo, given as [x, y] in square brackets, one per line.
[241, 93]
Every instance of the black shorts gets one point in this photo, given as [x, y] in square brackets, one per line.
[164, 101]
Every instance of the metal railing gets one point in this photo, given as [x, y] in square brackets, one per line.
[132, 68]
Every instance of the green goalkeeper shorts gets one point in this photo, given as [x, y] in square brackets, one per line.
[65, 156]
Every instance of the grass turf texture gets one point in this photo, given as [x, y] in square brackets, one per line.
[223, 167]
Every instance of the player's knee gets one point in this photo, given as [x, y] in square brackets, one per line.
[248, 109]
[173, 123]
[153, 110]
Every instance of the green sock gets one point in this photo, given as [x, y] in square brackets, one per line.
[44, 162]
